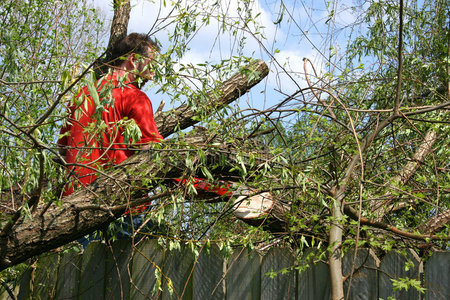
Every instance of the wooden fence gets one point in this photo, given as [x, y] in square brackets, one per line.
[122, 273]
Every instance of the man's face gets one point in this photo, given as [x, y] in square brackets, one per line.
[144, 67]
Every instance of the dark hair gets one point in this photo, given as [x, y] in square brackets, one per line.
[132, 43]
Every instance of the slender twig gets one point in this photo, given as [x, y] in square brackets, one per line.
[28, 82]
[400, 61]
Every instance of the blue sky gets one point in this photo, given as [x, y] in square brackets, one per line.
[293, 30]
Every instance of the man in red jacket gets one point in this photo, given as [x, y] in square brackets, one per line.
[94, 134]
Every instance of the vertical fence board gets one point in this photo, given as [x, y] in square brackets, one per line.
[92, 277]
[208, 280]
[68, 276]
[146, 257]
[118, 260]
[313, 282]
[243, 275]
[364, 282]
[179, 268]
[437, 276]
[393, 267]
[282, 286]
[45, 276]
[25, 285]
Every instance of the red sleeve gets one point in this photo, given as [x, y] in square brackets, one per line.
[63, 141]
[142, 113]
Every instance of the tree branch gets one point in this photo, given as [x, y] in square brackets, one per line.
[436, 223]
[400, 61]
[119, 27]
[405, 174]
[352, 213]
[230, 90]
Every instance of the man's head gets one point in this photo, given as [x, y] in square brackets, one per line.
[134, 55]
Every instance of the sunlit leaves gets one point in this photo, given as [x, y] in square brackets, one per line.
[39, 45]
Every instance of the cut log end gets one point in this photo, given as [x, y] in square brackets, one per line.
[253, 207]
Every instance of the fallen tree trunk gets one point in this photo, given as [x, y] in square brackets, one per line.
[82, 212]
[109, 197]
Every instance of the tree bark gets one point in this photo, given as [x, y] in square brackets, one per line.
[335, 240]
[381, 209]
[119, 27]
[436, 223]
[232, 89]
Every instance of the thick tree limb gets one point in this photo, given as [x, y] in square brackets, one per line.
[405, 174]
[119, 27]
[101, 203]
[119, 24]
[436, 223]
[418, 158]
[230, 90]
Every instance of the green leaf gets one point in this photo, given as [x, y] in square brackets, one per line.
[93, 93]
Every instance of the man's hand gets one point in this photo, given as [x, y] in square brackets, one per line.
[145, 147]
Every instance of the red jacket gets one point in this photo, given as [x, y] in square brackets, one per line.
[93, 146]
